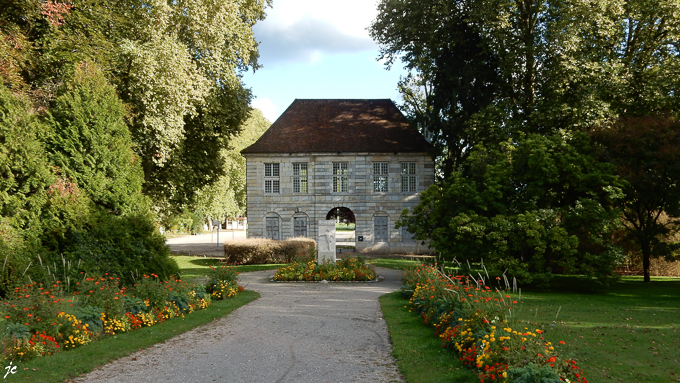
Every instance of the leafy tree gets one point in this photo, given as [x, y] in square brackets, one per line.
[487, 70]
[199, 160]
[90, 143]
[453, 72]
[182, 74]
[533, 208]
[176, 65]
[227, 196]
[645, 152]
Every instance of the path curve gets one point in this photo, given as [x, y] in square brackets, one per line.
[295, 332]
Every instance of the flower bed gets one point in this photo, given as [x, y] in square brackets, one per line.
[478, 323]
[43, 319]
[345, 269]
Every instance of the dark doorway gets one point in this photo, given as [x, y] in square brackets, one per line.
[341, 215]
[345, 226]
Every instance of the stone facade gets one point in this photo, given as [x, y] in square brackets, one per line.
[286, 208]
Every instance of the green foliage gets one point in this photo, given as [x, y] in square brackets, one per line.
[17, 331]
[90, 143]
[227, 195]
[135, 305]
[90, 316]
[175, 65]
[531, 208]
[16, 256]
[532, 373]
[24, 173]
[254, 251]
[124, 247]
[104, 292]
[486, 71]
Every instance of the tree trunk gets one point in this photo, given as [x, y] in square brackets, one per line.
[646, 255]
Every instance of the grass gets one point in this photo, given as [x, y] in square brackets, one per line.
[69, 364]
[628, 333]
[195, 268]
[345, 227]
[394, 263]
[419, 355]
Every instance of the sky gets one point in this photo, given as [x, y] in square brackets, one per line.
[318, 49]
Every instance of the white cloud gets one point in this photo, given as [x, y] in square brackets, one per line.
[304, 30]
[269, 110]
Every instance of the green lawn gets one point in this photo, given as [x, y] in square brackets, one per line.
[394, 263]
[417, 350]
[194, 268]
[345, 227]
[628, 333]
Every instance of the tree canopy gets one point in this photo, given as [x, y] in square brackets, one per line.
[487, 70]
[175, 65]
[530, 209]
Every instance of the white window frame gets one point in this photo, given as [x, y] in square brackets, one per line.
[409, 177]
[381, 172]
[272, 182]
[300, 177]
[340, 177]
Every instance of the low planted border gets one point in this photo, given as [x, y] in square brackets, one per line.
[349, 269]
[63, 366]
[477, 322]
[47, 320]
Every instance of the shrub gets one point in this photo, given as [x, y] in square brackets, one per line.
[257, 251]
[122, 247]
[223, 282]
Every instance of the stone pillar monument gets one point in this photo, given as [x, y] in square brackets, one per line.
[326, 240]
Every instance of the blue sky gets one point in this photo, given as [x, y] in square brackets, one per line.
[318, 49]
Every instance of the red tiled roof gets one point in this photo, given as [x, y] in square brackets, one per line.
[340, 126]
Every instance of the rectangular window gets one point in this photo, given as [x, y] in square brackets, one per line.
[380, 176]
[340, 177]
[299, 178]
[380, 228]
[408, 177]
[271, 179]
[272, 228]
[300, 227]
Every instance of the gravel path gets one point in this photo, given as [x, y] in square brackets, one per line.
[295, 332]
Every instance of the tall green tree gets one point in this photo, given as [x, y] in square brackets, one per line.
[25, 174]
[645, 152]
[176, 66]
[487, 70]
[90, 143]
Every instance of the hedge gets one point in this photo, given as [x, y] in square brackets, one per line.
[257, 251]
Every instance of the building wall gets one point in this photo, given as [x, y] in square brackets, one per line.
[320, 198]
